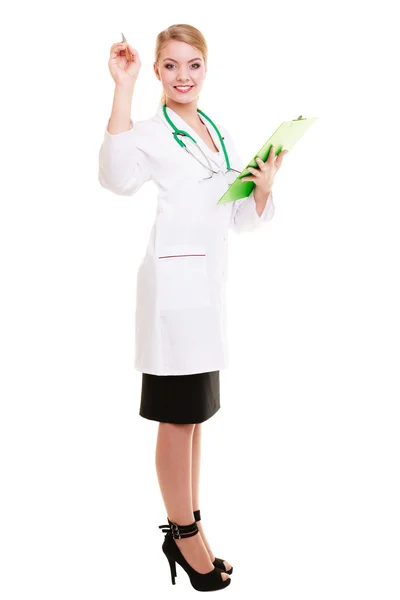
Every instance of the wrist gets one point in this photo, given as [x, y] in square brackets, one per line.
[124, 90]
[261, 196]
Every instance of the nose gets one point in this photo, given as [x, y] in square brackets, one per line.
[182, 75]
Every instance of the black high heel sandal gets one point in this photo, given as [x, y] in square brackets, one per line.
[202, 582]
[218, 562]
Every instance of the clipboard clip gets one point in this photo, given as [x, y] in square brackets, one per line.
[300, 118]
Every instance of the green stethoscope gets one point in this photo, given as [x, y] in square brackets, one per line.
[183, 145]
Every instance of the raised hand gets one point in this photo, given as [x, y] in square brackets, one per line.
[123, 70]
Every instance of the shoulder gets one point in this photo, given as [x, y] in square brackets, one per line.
[146, 126]
[143, 133]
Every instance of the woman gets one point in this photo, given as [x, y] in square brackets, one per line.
[180, 309]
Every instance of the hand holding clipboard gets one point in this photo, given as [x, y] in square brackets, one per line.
[287, 134]
[263, 177]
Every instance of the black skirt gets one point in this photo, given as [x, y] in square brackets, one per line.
[180, 398]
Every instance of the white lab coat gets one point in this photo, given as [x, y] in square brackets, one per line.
[180, 325]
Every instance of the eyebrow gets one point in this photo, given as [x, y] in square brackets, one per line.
[172, 60]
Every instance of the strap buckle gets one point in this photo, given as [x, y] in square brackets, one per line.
[175, 530]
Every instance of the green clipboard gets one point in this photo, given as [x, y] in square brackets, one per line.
[285, 137]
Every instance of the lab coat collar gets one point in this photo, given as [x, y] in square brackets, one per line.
[181, 124]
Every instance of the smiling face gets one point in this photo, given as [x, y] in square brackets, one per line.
[181, 65]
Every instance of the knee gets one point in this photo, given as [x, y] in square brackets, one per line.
[182, 427]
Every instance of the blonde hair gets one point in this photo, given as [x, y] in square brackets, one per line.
[181, 33]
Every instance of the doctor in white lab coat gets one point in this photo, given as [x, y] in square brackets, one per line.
[180, 325]
[181, 335]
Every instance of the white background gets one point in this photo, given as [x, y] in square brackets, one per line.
[300, 467]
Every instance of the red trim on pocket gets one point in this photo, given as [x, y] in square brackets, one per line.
[180, 255]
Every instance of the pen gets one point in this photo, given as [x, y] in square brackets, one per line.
[128, 54]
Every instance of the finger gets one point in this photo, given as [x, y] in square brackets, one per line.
[124, 48]
[128, 54]
[253, 179]
[134, 53]
[255, 172]
[118, 45]
[261, 164]
[280, 158]
[271, 155]
[116, 49]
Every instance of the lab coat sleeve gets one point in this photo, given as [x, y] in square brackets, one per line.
[124, 164]
[244, 214]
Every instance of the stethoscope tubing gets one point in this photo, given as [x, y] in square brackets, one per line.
[209, 165]
[184, 133]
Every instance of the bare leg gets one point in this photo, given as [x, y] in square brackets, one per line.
[174, 472]
[196, 454]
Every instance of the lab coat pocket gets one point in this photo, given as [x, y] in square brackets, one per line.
[183, 277]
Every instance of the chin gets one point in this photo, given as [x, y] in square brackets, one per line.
[186, 100]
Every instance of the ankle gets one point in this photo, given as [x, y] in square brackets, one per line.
[181, 519]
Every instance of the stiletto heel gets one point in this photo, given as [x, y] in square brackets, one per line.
[172, 566]
[202, 582]
[218, 562]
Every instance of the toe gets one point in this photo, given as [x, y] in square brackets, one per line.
[227, 565]
[225, 576]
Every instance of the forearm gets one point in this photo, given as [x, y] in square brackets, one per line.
[260, 200]
[121, 110]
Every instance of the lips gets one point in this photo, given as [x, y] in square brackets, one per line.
[183, 88]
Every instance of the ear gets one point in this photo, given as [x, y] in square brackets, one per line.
[156, 71]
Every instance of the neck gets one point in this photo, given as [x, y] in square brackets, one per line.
[188, 111]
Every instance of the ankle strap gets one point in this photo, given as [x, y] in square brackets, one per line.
[196, 514]
[179, 531]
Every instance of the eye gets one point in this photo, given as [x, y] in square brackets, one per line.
[169, 65]
[198, 65]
